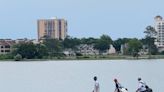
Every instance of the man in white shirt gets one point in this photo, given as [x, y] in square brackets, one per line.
[141, 86]
[96, 85]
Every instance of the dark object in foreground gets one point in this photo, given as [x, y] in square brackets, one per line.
[148, 89]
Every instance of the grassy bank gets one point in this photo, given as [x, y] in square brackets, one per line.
[119, 57]
[89, 57]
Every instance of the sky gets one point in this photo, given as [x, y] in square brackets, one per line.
[86, 18]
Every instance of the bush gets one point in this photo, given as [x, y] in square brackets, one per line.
[79, 54]
[161, 53]
[18, 57]
[86, 57]
[5, 56]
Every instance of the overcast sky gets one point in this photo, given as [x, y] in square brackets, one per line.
[86, 18]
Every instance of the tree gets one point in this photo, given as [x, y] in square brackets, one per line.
[54, 47]
[18, 57]
[42, 51]
[134, 46]
[88, 41]
[120, 41]
[149, 40]
[149, 43]
[103, 43]
[26, 50]
[150, 31]
[70, 42]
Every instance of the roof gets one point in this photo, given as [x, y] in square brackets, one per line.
[6, 43]
[158, 17]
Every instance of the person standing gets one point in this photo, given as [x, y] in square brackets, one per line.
[141, 86]
[96, 85]
[119, 88]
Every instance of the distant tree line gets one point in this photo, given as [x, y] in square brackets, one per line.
[50, 48]
[54, 48]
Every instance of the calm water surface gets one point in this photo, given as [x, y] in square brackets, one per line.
[76, 76]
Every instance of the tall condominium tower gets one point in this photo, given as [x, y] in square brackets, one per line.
[159, 27]
[52, 28]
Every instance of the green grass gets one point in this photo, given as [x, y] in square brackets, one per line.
[87, 57]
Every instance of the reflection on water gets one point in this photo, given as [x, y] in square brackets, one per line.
[77, 76]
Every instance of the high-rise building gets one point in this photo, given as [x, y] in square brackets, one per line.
[52, 28]
[159, 27]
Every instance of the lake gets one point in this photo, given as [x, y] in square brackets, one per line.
[77, 76]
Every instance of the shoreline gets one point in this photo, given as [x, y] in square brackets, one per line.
[106, 57]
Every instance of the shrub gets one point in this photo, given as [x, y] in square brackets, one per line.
[18, 57]
[79, 54]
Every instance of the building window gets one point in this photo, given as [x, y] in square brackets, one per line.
[2, 50]
[1, 46]
[7, 50]
[7, 46]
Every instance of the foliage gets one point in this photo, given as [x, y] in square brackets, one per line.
[70, 42]
[5, 56]
[89, 40]
[120, 41]
[154, 50]
[18, 57]
[103, 43]
[41, 51]
[134, 46]
[26, 50]
[150, 31]
[150, 39]
[161, 53]
[54, 46]
[79, 54]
